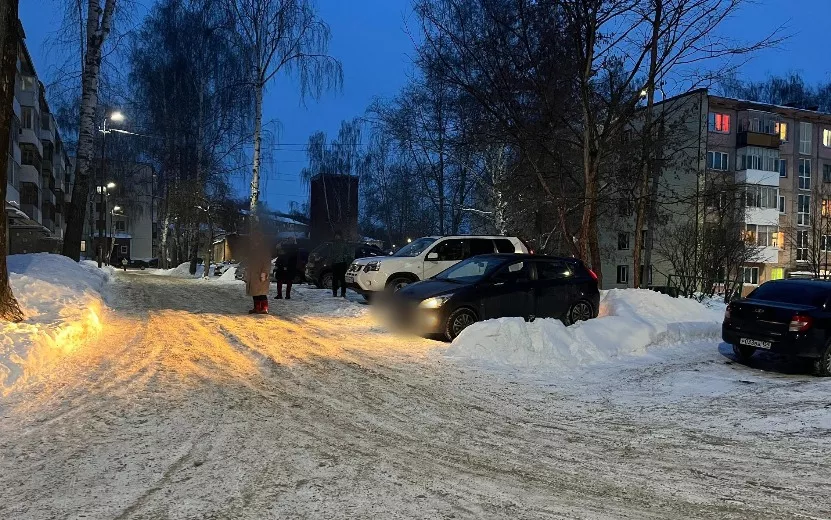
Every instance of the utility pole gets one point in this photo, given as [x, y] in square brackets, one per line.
[101, 215]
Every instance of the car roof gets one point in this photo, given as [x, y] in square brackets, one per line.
[826, 284]
[520, 256]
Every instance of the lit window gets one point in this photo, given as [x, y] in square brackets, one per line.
[782, 130]
[826, 137]
[719, 123]
[83, 246]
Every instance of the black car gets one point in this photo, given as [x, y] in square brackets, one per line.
[143, 264]
[319, 263]
[788, 317]
[497, 286]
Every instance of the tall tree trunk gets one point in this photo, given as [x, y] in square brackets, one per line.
[98, 28]
[652, 159]
[258, 138]
[9, 39]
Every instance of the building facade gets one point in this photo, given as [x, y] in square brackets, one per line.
[126, 224]
[780, 156]
[40, 173]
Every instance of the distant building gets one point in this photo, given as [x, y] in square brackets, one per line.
[781, 158]
[333, 205]
[131, 230]
[40, 173]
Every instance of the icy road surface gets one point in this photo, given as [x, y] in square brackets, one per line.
[189, 408]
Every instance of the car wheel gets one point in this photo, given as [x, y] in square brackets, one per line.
[325, 281]
[743, 352]
[822, 366]
[580, 311]
[367, 297]
[459, 320]
[398, 283]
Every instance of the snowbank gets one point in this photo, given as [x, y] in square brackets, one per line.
[183, 271]
[629, 323]
[63, 304]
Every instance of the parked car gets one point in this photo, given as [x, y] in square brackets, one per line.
[424, 258]
[319, 264]
[497, 286]
[300, 269]
[143, 263]
[788, 317]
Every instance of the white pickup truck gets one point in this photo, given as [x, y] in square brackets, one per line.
[422, 259]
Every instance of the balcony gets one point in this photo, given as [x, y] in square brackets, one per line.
[763, 140]
[27, 135]
[762, 216]
[29, 173]
[762, 177]
[768, 255]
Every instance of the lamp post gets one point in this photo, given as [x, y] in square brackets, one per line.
[115, 211]
[115, 117]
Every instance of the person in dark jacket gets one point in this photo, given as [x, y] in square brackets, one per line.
[285, 269]
[342, 256]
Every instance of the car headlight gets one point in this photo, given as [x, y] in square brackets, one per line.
[435, 302]
[372, 266]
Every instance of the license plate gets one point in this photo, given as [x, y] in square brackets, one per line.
[755, 343]
[350, 278]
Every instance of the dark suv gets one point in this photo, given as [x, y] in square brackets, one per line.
[788, 317]
[319, 265]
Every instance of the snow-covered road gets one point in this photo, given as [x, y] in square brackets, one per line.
[189, 408]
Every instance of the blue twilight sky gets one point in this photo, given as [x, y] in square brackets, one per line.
[370, 38]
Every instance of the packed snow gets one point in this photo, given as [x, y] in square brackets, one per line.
[630, 322]
[185, 406]
[63, 303]
[183, 271]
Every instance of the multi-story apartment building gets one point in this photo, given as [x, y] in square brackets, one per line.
[779, 155]
[40, 171]
[127, 219]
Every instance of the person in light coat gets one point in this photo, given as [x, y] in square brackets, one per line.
[257, 274]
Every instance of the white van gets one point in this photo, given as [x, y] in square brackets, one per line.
[423, 258]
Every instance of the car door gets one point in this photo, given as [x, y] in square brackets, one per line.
[553, 288]
[444, 255]
[509, 292]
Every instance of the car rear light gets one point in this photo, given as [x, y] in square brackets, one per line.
[800, 323]
[592, 273]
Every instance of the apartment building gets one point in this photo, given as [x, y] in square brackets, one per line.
[40, 172]
[780, 155]
[128, 217]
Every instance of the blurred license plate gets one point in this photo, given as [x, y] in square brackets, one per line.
[755, 343]
[350, 278]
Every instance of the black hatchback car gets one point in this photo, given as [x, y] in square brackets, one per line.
[497, 286]
[788, 317]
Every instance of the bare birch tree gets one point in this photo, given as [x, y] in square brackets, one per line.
[98, 25]
[282, 37]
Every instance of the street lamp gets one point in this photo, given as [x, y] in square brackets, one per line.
[116, 117]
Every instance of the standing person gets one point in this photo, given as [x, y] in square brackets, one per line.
[124, 264]
[285, 269]
[257, 279]
[342, 256]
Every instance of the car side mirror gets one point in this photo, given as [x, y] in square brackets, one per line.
[432, 256]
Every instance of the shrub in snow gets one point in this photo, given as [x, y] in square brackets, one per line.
[63, 304]
[630, 321]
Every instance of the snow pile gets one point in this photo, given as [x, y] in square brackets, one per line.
[229, 275]
[183, 271]
[630, 321]
[63, 304]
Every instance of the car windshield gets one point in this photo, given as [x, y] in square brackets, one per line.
[796, 293]
[416, 247]
[471, 270]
